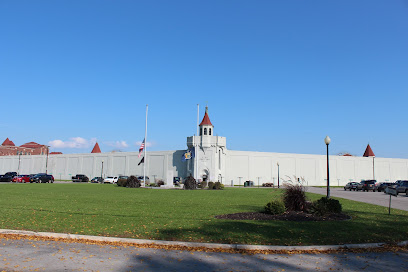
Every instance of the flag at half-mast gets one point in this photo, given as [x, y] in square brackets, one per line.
[141, 148]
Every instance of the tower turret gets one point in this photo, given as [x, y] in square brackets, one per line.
[210, 152]
[206, 128]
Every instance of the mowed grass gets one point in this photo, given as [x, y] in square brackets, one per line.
[181, 215]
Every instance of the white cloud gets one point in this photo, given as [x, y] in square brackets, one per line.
[148, 144]
[75, 142]
[118, 144]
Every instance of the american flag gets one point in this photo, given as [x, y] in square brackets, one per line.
[141, 148]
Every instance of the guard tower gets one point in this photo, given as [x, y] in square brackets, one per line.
[210, 153]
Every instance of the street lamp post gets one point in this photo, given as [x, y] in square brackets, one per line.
[327, 142]
[102, 172]
[46, 162]
[373, 168]
[18, 171]
[278, 173]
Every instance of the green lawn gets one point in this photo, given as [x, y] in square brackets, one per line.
[108, 210]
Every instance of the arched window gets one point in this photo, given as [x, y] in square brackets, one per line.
[205, 131]
[209, 131]
[201, 131]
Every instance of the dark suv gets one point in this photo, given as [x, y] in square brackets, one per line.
[366, 185]
[7, 177]
[382, 186]
[42, 178]
[80, 178]
[402, 187]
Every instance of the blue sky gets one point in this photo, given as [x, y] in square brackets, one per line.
[278, 76]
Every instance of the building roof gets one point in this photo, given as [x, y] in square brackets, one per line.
[55, 153]
[368, 152]
[96, 149]
[7, 142]
[31, 145]
[206, 119]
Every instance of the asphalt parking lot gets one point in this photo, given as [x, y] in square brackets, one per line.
[377, 198]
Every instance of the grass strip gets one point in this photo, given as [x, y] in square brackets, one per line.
[180, 215]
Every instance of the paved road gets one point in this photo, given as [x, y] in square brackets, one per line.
[26, 255]
[400, 202]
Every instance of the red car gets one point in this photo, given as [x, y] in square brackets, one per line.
[22, 178]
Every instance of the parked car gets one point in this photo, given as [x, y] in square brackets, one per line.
[140, 178]
[402, 187]
[22, 178]
[366, 185]
[97, 180]
[42, 178]
[111, 179]
[123, 177]
[7, 177]
[392, 186]
[122, 181]
[80, 178]
[351, 186]
[380, 187]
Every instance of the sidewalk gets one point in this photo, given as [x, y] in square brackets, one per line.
[38, 255]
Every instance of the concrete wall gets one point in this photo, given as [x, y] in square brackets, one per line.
[239, 166]
[120, 163]
[262, 166]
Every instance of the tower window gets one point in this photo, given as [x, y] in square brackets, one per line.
[205, 131]
[209, 131]
[201, 131]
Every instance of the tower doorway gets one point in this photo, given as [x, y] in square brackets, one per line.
[206, 175]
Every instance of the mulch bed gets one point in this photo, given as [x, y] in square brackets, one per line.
[287, 216]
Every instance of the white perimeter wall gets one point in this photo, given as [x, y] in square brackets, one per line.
[240, 166]
[121, 163]
[245, 165]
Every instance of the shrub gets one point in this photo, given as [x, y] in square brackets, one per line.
[210, 185]
[218, 186]
[275, 207]
[203, 184]
[122, 182]
[294, 197]
[159, 183]
[190, 183]
[267, 184]
[133, 182]
[326, 205]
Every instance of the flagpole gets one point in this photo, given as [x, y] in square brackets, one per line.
[145, 146]
[196, 151]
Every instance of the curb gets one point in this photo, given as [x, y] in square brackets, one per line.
[193, 245]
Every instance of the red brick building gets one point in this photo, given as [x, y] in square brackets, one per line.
[8, 148]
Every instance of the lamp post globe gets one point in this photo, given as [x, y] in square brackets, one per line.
[327, 140]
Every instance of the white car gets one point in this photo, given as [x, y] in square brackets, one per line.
[111, 179]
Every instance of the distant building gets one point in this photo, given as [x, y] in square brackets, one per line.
[8, 148]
